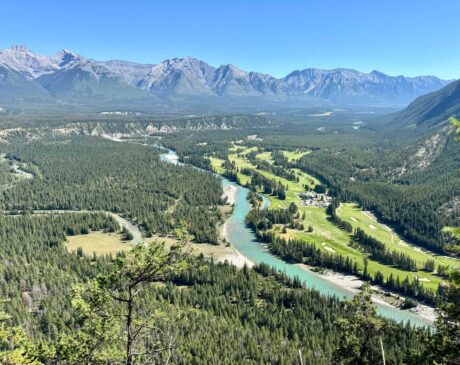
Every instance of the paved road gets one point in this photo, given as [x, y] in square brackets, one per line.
[123, 222]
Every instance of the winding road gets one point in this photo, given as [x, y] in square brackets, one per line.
[123, 222]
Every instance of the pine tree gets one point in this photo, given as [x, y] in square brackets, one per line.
[360, 334]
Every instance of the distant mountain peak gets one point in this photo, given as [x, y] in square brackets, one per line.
[19, 48]
[232, 70]
[22, 60]
[65, 57]
[69, 53]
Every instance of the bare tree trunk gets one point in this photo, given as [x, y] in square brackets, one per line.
[383, 351]
[129, 341]
[300, 357]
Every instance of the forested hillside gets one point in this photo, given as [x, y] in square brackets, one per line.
[84, 173]
[37, 272]
[432, 109]
[232, 317]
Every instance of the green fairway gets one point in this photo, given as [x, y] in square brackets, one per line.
[243, 150]
[265, 156]
[216, 164]
[294, 188]
[295, 155]
[367, 222]
[328, 237]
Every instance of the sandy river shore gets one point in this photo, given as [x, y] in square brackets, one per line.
[222, 253]
[230, 194]
[353, 284]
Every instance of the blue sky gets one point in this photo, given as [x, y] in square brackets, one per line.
[410, 37]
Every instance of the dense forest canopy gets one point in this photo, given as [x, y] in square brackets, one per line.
[87, 173]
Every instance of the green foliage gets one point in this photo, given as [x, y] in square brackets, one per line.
[126, 234]
[429, 265]
[394, 202]
[409, 303]
[442, 347]
[454, 121]
[209, 313]
[299, 251]
[95, 340]
[359, 333]
[381, 254]
[321, 189]
[15, 347]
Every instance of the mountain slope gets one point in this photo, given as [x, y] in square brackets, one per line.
[229, 80]
[15, 88]
[178, 76]
[27, 63]
[88, 80]
[432, 109]
[31, 65]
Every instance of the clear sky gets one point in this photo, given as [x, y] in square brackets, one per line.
[410, 37]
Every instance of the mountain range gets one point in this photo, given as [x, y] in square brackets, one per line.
[68, 78]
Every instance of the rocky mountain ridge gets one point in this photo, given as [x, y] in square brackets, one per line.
[67, 76]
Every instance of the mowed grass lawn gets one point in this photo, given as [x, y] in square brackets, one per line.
[354, 214]
[265, 156]
[326, 235]
[99, 243]
[329, 238]
[242, 149]
[295, 155]
[294, 188]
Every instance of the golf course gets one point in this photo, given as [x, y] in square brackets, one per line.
[321, 231]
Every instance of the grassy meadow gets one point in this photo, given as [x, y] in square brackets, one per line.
[100, 243]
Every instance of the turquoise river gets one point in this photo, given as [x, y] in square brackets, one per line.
[243, 240]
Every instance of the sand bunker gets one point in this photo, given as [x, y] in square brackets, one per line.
[327, 248]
